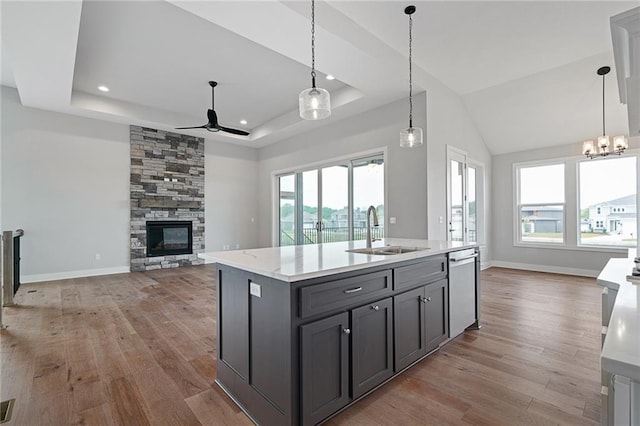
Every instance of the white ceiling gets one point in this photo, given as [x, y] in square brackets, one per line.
[525, 70]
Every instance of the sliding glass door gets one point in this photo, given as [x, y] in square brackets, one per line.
[329, 203]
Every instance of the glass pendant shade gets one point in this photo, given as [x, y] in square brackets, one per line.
[314, 103]
[587, 148]
[620, 143]
[603, 143]
[411, 137]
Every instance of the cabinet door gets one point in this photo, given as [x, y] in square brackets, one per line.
[409, 329]
[436, 303]
[233, 321]
[324, 367]
[371, 345]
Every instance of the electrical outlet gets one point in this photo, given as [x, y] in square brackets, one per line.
[440, 219]
[237, 246]
[392, 220]
[98, 257]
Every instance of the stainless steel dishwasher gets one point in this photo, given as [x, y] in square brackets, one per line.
[462, 290]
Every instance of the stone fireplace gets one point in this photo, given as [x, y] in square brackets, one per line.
[167, 199]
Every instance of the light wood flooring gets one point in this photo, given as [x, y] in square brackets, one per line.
[139, 349]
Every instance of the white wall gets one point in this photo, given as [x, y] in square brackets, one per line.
[416, 185]
[505, 253]
[405, 168]
[231, 196]
[65, 181]
[450, 124]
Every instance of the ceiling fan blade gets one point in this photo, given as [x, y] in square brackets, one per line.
[194, 127]
[233, 131]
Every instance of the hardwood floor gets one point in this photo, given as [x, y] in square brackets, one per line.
[139, 349]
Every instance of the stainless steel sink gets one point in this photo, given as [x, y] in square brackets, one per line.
[387, 250]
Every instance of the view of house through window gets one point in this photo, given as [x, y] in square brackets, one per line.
[541, 203]
[608, 207]
[329, 204]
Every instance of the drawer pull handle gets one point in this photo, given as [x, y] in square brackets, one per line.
[353, 290]
[346, 331]
[375, 307]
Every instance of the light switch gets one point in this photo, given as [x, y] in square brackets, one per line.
[255, 289]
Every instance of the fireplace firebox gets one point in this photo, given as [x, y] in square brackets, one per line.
[166, 238]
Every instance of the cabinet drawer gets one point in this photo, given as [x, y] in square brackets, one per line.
[321, 298]
[431, 269]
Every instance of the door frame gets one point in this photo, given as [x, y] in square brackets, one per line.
[453, 153]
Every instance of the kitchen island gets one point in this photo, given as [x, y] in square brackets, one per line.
[620, 356]
[305, 331]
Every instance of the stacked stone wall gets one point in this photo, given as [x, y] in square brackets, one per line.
[167, 183]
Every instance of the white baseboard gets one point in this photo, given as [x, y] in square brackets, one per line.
[35, 278]
[543, 268]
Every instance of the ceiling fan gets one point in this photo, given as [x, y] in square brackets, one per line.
[213, 125]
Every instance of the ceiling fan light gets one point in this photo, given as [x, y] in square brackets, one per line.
[411, 137]
[314, 103]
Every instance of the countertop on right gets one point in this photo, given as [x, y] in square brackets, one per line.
[621, 349]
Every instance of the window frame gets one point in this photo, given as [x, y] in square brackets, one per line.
[517, 221]
[602, 247]
[572, 205]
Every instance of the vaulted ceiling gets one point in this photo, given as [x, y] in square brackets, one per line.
[525, 70]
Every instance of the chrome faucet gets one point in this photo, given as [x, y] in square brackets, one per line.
[375, 223]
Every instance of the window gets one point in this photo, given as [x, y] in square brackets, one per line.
[608, 194]
[368, 190]
[329, 203]
[540, 203]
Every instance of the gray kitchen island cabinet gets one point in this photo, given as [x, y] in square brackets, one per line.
[331, 378]
[421, 322]
[295, 351]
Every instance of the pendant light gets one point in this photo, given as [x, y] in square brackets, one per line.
[314, 103]
[619, 142]
[411, 136]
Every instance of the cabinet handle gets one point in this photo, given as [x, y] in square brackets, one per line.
[353, 290]
[346, 331]
[426, 299]
[375, 307]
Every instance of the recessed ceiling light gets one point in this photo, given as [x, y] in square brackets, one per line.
[243, 121]
[330, 77]
[103, 88]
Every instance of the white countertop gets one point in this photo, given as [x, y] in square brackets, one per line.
[621, 349]
[296, 263]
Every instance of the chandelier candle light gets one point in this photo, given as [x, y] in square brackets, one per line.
[411, 136]
[619, 142]
[314, 103]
